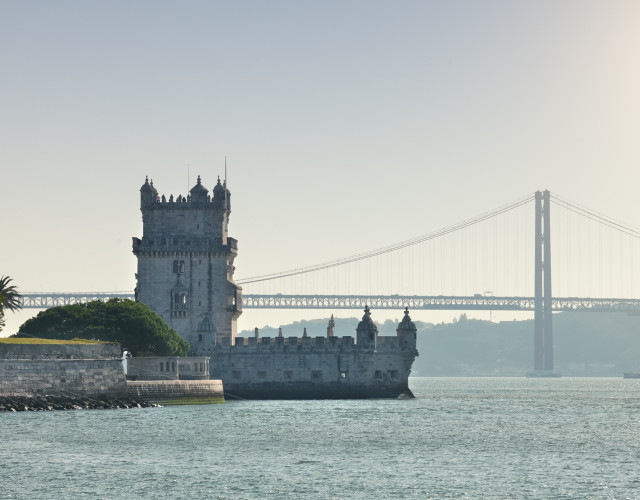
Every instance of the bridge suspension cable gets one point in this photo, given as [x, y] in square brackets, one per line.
[596, 217]
[391, 248]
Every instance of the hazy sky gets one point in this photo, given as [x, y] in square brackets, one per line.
[347, 125]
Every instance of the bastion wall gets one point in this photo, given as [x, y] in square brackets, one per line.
[307, 360]
[62, 370]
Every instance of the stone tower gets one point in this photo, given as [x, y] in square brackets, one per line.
[185, 263]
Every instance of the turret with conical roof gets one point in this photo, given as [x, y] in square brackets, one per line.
[406, 331]
[147, 195]
[220, 196]
[199, 193]
[367, 331]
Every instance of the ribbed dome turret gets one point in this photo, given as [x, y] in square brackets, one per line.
[367, 331]
[199, 193]
[146, 186]
[147, 193]
[220, 196]
[406, 332]
[406, 323]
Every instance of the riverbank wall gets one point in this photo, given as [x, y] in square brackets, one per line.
[178, 392]
[65, 370]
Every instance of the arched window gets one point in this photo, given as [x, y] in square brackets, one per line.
[182, 266]
[180, 304]
[175, 267]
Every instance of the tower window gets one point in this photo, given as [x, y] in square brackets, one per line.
[182, 266]
[175, 267]
[180, 305]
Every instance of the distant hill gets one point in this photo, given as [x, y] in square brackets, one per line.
[585, 344]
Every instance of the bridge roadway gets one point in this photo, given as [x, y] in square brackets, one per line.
[413, 302]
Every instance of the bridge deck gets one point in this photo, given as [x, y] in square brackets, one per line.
[460, 303]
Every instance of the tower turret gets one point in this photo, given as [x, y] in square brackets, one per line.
[220, 196]
[367, 331]
[147, 195]
[199, 193]
[406, 331]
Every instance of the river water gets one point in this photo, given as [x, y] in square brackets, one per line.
[460, 438]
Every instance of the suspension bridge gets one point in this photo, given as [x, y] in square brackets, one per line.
[505, 250]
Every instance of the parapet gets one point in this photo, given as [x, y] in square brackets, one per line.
[168, 368]
[324, 344]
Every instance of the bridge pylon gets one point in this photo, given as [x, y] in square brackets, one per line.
[543, 320]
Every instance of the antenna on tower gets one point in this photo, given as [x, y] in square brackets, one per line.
[188, 177]
[225, 170]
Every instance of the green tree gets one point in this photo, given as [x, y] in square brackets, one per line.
[135, 326]
[10, 299]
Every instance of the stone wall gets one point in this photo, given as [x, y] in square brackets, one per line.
[63, 377]
[177, 391]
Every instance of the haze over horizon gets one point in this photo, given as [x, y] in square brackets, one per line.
[347, 126]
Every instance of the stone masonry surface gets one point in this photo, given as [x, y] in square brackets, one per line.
[64, 377]
[176, 391]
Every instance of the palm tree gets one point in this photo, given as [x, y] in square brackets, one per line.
[9, 296]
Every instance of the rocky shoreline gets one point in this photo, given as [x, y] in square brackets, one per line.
[51, 403]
